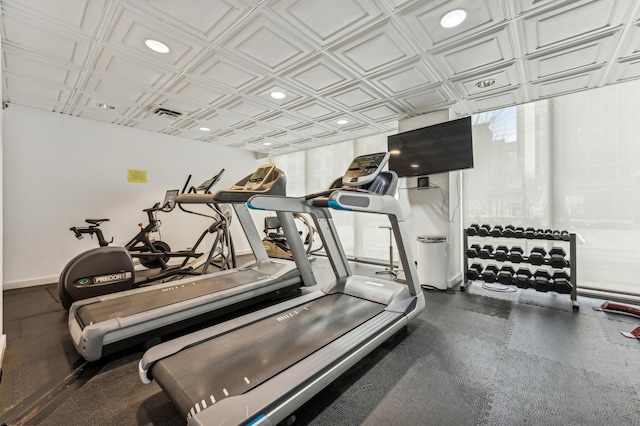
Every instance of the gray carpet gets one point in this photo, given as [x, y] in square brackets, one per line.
[472, 358]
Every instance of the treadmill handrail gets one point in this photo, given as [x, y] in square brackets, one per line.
[286, 204]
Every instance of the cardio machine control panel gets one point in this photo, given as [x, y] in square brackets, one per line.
[364, 169]
[259, 177]
[267, 179]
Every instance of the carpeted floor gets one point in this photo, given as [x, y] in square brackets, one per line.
[471, 358]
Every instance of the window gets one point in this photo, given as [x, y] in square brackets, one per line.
[573, 163]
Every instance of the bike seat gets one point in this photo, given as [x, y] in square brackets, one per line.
[96, 221]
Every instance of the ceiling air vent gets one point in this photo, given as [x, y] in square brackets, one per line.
[163, 112]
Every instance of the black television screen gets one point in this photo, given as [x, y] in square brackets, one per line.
[434, 149]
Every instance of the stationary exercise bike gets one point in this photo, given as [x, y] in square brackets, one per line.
[109, 269]
[141, 243]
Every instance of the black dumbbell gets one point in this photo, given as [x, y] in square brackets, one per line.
[562, 282]
[519, 232]
[557, 250]
[485, 251]
[484, 230]
[473, 251]
[558, 261]
[474, 271]
[539, 234]
[490, 274]
[501, 254]
[509, 231]
[522, 278]
[496, 231]
[515, 254]
[530, 233]
[536, 256]
[556, 235]
[564, 235]
[505, 276]
[542, 280]
[472, 230]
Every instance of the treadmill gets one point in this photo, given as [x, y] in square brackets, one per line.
[108, 323]
[259, 368]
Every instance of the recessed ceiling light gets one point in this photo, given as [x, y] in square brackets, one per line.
[278, 95]
[266, 143]
[106, 106]
[453, 18]
[415, 166]
[485, 83]
[204, 129]
[342, 121]
[157, 46]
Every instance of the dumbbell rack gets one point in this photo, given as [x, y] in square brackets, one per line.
[572, 260]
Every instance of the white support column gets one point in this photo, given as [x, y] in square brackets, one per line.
[432, 211]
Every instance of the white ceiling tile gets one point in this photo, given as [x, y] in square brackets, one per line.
[571, 21]
[504, 78]
[423, 19]
[132, 68]
[194, 91]
[318, 75]
[382, 111]
[625, 70]
[631, 45]
[247, 108]
[314, 109]
[130, 29]
[40, 67]
[213, 118]
[310, 130]
[114, 91]
[354, 96]
[207, 19]
[405, 78]
[46, 40]
[284, 120]
[431, 99]
[268, 45]
[29, 87]
[376, 49]
[571, 59]
[224, 71]
[561, 86]
[80, 15]
[30, 101]
[474, 54]
[497, 100]
[328, 20]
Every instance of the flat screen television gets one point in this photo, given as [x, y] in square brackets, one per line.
[440, 148]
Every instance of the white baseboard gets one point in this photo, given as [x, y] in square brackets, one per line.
[3, 346]
[12, 285]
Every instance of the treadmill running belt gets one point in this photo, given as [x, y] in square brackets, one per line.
[182, 290]
[236, 362]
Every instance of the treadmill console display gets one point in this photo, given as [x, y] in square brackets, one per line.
[364, 169]
[259, 177]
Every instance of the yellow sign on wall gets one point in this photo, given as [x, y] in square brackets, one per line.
[137, 176]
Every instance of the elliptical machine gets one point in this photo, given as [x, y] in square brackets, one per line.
[275, 242]
[110, 269]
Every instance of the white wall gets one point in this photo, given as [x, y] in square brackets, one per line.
[431, 211]
[59, 170]
[2, 336]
